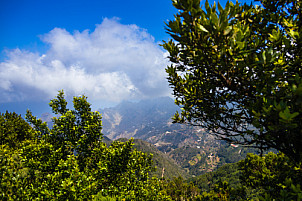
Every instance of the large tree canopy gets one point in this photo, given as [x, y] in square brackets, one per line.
[237, 71]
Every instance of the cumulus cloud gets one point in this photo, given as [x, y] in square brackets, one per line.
[114, 62]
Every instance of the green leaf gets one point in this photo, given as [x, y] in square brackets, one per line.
[264, 57]
[207, 7]
[286, 115]
[220, 9]
[227, 30]
[202, 28]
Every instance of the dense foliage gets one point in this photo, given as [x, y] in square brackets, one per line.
[275, 176]
[14, 129]
[272, 177]
[237, 71]
[70, 161]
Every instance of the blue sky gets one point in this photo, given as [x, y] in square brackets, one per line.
[22, 21]
[107, 50]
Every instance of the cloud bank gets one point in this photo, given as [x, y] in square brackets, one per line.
[114, 62]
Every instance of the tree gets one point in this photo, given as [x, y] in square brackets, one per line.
[237, 71]
[69, 161]
[78, 130]
[274, 176]
[178, 189]
[14, 129]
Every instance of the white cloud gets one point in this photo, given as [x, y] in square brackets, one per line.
[112, 63]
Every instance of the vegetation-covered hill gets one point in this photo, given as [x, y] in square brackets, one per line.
[165, 166]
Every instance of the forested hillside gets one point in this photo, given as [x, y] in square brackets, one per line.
[165, 166]
[192, 148]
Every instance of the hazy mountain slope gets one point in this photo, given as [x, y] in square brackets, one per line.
[129, 119]
[149, 120]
